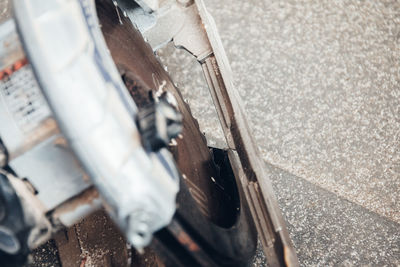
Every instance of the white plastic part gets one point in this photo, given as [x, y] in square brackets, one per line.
[95, 113]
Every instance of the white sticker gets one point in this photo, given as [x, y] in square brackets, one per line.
[24, 100]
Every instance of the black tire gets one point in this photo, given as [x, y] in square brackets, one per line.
[208, 244]
[193, 238]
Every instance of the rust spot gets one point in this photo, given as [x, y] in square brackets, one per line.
[46, 129]
[19, 64]
[185, 240]
[14, 67]
[61, 141]
[83, 262]
[86, 197]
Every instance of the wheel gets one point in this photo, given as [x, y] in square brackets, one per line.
[212, 225]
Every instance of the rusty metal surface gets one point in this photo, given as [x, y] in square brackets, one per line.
[68, 213]
[88, 196]
[95, 241]
[68, 247]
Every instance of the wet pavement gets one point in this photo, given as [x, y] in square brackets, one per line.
[320, 83]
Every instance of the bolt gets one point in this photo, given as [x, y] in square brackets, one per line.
[139, 231]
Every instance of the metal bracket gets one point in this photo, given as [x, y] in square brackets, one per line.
[176, 21]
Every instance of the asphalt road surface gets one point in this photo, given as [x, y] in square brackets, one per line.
[320, 83]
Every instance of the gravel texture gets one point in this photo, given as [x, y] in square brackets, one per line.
[328, 230]
[320, 84]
